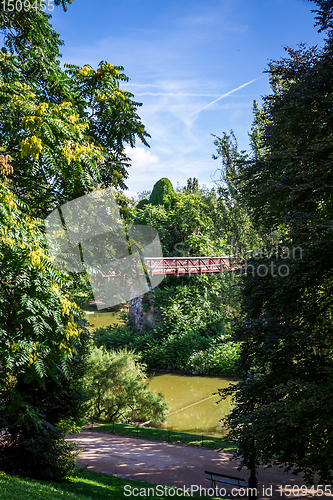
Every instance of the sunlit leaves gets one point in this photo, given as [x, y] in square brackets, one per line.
[65, 130]
[118, 386]
[31, 294]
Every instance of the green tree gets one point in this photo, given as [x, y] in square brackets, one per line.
[186, 228]
[142, 203]
[231, 215]
[118, 386]
[286, 328]
[162, 193]
[324, 14]
[66, 131]
[192, 185]
[41, 350]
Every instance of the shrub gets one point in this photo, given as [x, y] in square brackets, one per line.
[114, 336]
[188, 351]
[175, 350]
[38, 453]
[118, 386]
[220, 357]
[163, 193]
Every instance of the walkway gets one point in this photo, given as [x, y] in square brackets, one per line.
[186, 265]
[172, 465]
[182, 265]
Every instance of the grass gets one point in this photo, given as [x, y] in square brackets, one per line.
[86, 486]
[169, 436]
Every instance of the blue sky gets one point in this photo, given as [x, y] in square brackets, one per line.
[181, 56]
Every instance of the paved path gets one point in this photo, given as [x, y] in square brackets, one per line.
[173, 465]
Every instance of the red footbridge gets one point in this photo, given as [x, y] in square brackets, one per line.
[184, 265]
[187, 265]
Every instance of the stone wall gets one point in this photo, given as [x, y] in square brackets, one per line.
[141, 312]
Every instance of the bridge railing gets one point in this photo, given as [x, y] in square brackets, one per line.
[187, 265]
[183, 265]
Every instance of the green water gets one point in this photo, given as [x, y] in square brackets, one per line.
[192, 406]
[98, 319]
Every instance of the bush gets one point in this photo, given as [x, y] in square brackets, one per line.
[189, 351]
[223, 358]
[163, 193]
[114, 336]
[174, 351]
[118, 386]
[220, 358]
[36, 418]
[38, 454]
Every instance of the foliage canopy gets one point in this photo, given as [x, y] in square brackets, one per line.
[62, 135]
[66, 130]
[284, 413]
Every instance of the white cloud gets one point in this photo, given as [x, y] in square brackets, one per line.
[142, 159]
[131, 194]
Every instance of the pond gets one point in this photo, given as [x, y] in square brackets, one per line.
[98, 319]
[192, 405]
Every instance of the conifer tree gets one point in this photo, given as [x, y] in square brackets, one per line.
[284, 412]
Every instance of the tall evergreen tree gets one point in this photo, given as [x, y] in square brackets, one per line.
[284, 413]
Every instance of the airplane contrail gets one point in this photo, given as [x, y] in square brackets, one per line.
[224, 95]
